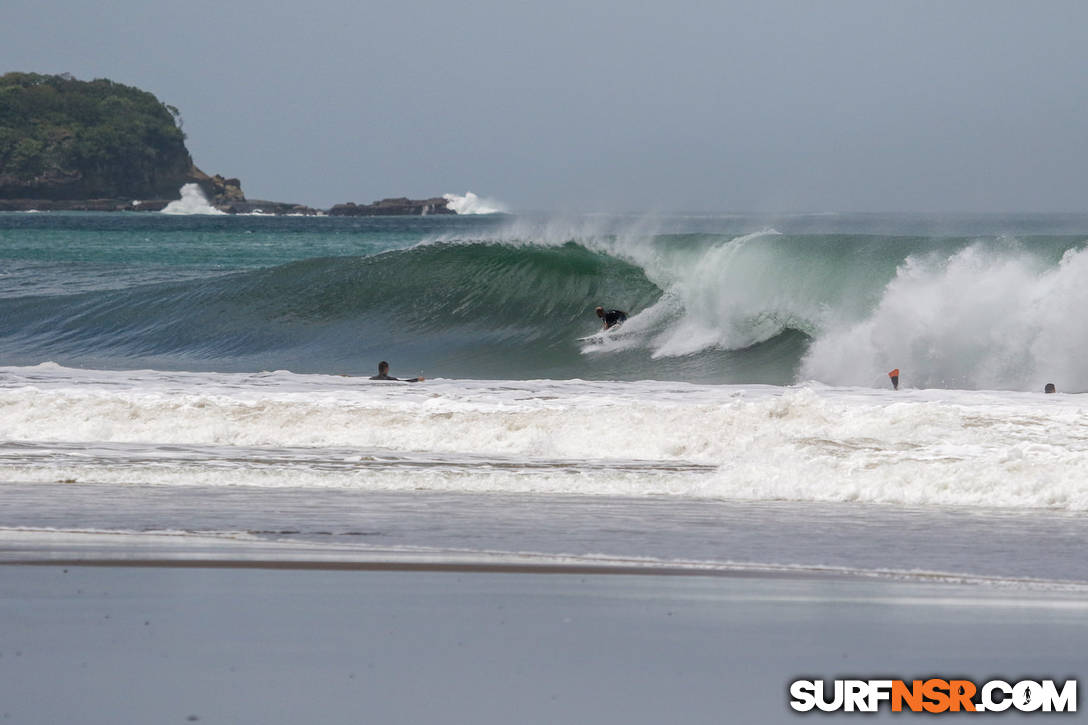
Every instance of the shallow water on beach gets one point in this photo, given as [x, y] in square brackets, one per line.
[126, 521]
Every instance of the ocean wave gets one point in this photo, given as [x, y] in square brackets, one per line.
[516, 301]
[943, 448]
[463, 306]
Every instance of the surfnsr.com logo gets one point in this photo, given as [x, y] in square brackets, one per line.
[933, 696]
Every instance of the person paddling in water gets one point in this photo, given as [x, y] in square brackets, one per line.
[383, 374]
[612, 318]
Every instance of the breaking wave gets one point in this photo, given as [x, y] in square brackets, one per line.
[517, 301]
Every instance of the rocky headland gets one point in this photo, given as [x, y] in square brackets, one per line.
[71, 145]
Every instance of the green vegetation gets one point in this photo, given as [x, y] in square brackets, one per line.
[61, 138]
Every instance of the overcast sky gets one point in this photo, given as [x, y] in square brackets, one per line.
[605, 105]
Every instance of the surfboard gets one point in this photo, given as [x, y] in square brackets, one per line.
[601, 335]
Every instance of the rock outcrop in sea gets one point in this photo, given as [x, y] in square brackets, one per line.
[400, 206]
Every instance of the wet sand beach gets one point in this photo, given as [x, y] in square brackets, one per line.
[237, 641]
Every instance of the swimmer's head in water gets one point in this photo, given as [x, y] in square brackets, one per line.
[1050, 388]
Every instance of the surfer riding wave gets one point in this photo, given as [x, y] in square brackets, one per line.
[612, 318]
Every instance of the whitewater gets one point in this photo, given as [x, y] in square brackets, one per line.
[199, 379]
[759, 443]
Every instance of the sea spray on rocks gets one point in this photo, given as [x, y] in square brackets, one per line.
[192, 201]
[472, 204]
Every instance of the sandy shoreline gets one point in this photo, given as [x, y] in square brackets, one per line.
[422, 566]
[100, 626]
[557, 569]
[331, 642]
[178, 550]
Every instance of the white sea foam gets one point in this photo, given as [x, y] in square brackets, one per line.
[987, 316]
[983, 318]
[192, 201]
[472, 204]
[811, 443]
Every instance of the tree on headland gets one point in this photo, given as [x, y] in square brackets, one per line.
[61, 138]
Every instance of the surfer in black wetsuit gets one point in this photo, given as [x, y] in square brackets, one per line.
[383, 374]
[612, 318]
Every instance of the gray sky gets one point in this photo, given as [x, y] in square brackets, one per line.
[605, 105]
